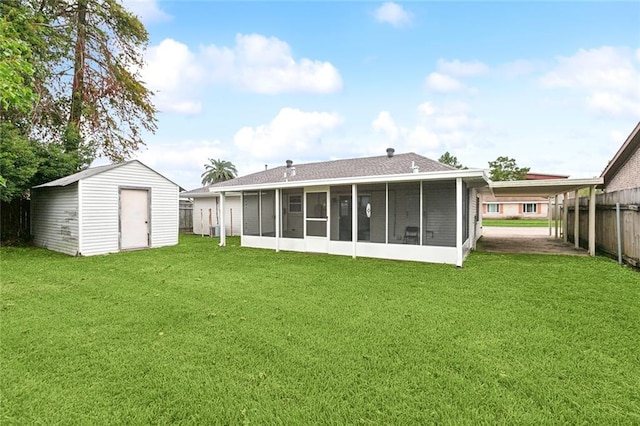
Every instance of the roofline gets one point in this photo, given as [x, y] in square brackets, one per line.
[405, 177]
[115, 166]
[566, 184]
[630, 144]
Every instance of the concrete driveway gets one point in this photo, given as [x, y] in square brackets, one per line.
[525, 240]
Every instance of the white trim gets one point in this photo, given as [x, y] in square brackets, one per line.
[80, 219]
[354, 218]
[223, 225]
[420, 225]
[278, 219]
[476, 174]
[459, 218]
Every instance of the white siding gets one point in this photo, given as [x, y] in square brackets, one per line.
[100, 207]
[232, 206]
[54, 218]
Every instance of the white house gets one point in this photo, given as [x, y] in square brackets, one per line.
[404, 207]
[105, 209]
[206, 211]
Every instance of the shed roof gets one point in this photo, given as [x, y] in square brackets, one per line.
[353, 167]
[68, 180]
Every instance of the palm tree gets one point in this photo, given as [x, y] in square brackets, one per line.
[218, 171]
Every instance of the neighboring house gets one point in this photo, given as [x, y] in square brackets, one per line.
[404, 207]
[524, 207]
[105, 209]
[206, 211]
[623, 171]
[511, 207]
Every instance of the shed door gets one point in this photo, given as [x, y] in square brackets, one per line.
[134, 218]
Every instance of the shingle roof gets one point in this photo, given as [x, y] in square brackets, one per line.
[68, 180]
[336, 169]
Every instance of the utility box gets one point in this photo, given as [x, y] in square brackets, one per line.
[214, 231]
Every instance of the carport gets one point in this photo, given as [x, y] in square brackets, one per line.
[553, 189]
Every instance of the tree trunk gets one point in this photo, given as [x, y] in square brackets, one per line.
[72, 143]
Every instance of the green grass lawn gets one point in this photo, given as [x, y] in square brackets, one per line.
[197, 334]
[526, 223]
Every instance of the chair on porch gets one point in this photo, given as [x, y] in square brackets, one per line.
[411, 235]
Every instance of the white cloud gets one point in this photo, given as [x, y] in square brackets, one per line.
[292, 131]
[172, 72]
[462, 69]
[183, 162]
[518, 68]
[442, 83]
[385, 124]
[438, 127]
[266, 65]
[147, 10]
[394, 14]
[608, 76]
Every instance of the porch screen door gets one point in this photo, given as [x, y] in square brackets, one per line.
[316, 216]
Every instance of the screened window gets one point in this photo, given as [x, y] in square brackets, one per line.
[372, 213]
[250, 213]
[268, 213]
[295, 204]
[493, 208]
[530, 208]
[404, 213]
[341, 213]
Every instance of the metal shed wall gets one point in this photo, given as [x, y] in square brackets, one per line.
[54, 218]
[99, 201]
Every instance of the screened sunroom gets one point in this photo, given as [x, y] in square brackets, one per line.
[420, 220]
[404, 207]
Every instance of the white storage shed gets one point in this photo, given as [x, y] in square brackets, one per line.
[105, 209]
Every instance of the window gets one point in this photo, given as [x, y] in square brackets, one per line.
[295, 203]
[493, 208]
[529, 208]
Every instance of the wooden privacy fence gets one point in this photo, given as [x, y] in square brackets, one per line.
[15, 220]
[186, 216]
[606, 224]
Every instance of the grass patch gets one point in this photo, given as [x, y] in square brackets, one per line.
[524, 223]
[198, 334]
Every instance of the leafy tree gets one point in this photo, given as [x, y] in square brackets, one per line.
[450, 160]
[26, 162]
[218, 171]
[505, 168]
[16, 71]
[87, 55]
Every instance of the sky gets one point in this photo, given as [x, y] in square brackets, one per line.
[554, 85]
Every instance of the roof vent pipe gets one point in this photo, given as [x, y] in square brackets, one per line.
[390, 152]
[289, 164]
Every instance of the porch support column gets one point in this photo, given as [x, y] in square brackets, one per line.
[565, 217]
[556, 214]
[223, 233]
[354, 218]
[278, 211]
[592, 220]
[576, 220]
[459, 222]
[549, 215]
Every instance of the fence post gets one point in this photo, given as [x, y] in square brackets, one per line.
[619, 233]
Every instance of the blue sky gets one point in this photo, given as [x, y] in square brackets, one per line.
[554, 85]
